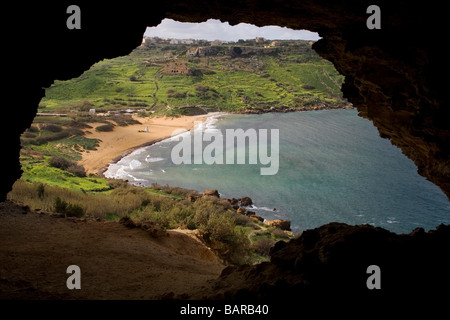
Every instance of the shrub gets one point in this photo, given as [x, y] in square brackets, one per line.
[124, 120]
[33, 129]
[74, 132]
[77, 170]
[242, 220]
[308, 87]
[51, 127]
[177, 95]
[60, 162]
[70, 210]
[105, 127]
[41, 191]
[29, 135]
[280, 234]
[219, 227]
[53, 137]
[80, 125]
[263, 246]
[84, 106]
[67, 165]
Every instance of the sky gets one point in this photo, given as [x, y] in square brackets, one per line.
[216, 30]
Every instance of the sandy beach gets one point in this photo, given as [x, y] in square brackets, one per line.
[122, 140]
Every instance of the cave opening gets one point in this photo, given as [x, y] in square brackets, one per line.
[122, 86]
[389, 102]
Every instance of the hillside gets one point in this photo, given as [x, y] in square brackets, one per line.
[193, 78]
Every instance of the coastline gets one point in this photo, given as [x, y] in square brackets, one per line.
[285, 109]
[120, 142]
[115, 145]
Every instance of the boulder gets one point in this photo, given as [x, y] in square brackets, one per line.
[278, 223]
[213, 193]
[192, 198]
[256, 217]
[154, 230]
[241, 211]
[127, 222]
[246, 201]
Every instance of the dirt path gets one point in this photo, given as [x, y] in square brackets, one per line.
[115, 262]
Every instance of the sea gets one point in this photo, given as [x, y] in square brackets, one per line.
[333, 167]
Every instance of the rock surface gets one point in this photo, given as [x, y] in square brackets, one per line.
[212, 193]
[246, 201]
[331, 262]
[278, 223]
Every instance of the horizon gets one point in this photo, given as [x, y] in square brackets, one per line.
[213, 29]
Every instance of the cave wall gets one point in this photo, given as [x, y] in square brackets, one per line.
[393, 75]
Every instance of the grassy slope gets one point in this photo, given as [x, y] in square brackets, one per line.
[295, 76]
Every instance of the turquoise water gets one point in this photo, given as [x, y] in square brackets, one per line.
[333, 166]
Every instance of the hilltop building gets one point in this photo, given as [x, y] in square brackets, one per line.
[176, 68]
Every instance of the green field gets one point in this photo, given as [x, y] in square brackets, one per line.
[290, 74]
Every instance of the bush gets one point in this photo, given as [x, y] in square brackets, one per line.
[219, 227]
[74, 132]
[60, 162]
[79, 125]
[29, 135]
[308, 87]
[176, 95]
[70, 210]
[105, 127]
[67, 165]
[45, 139]
[84, 106]
[41, 191]
[33, 129]
[51, 127]
[77, 170]
[263, 246]
[124, 120]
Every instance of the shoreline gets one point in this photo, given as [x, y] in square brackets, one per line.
[103, 169]
[286, 109]
[168, 122]
[120, 142]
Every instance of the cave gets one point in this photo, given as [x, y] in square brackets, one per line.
[392, 76]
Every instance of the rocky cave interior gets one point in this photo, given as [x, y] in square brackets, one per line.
[392, 77]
